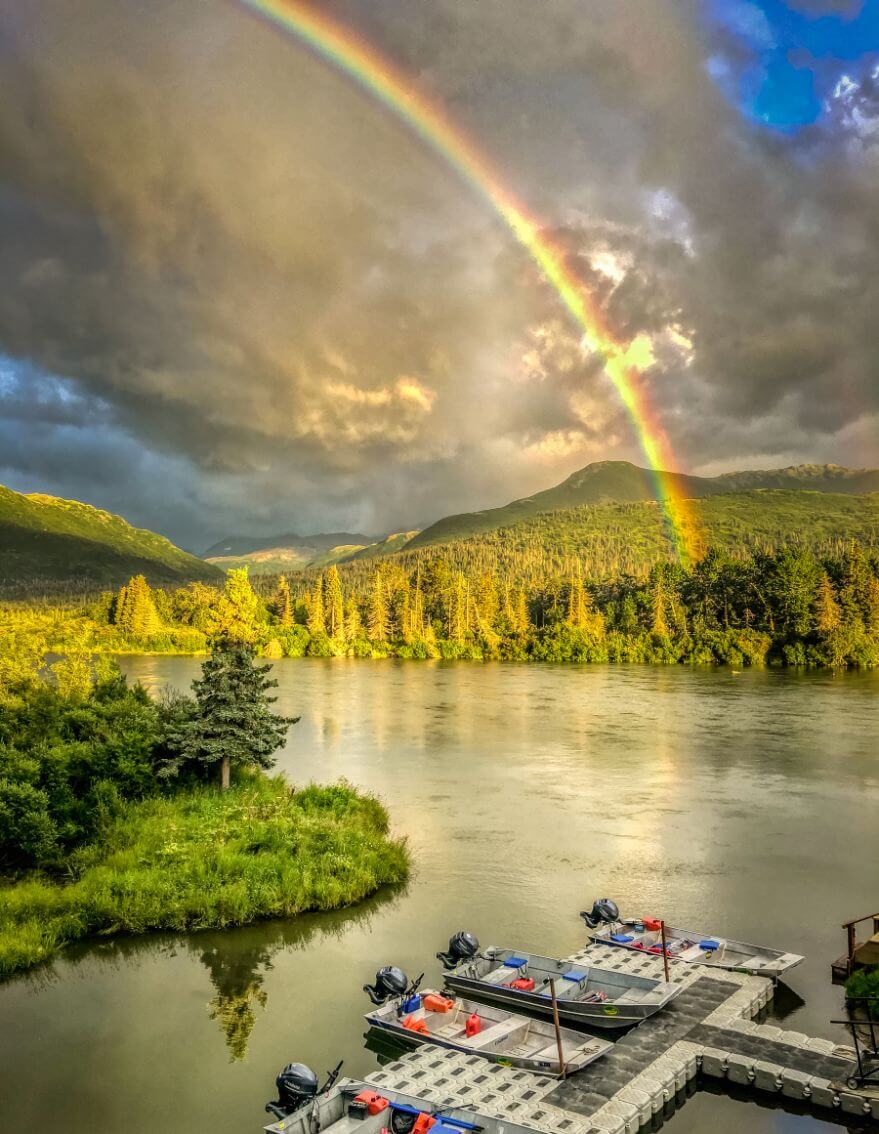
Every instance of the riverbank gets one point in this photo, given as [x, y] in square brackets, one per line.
[201, 859]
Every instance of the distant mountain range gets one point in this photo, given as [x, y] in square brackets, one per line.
[604, 482]
[49, 542]
[277, 554]
[618, 482]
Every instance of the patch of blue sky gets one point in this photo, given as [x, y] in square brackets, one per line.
[779, 62]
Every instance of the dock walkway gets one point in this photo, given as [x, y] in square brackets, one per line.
[707, 1028]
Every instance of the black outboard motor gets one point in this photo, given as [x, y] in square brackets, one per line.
[297, 1086]
[389, 982]
[462, 947]
[604, 910]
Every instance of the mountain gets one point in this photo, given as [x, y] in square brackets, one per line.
[609, 540]
[813, 478]
[247, 545]
[620, 482]
[272, 555]
[51, 542]
[387, 546]
[275, 555]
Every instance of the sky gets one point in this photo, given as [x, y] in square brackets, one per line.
[239, 297]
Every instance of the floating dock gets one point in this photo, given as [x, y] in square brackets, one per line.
[707, 1028]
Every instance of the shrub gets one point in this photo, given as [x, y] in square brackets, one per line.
[865, 983]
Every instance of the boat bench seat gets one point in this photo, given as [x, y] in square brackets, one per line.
[494, 1033]
[502, 975]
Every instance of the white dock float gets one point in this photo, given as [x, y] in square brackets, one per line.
[708, 1028]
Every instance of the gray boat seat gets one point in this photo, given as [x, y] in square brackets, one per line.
[502, 975]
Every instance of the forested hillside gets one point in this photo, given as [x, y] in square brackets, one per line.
[47, 544]
[609, 540]
[619, 482]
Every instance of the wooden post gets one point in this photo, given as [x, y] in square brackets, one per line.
[558, 1030]
[850, 929]
[664, 950]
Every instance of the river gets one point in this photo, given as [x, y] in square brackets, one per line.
[743, 803]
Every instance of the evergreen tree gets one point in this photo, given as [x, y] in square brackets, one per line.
[316, 620]
[283, 604]
[378, 610]
[827, 612]
[231, 720]
[459, 610]
[237, 610]
[522, 621]
[335, 604]
[136, 612]
[353, 625]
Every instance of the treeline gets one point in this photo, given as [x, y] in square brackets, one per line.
[790, 606]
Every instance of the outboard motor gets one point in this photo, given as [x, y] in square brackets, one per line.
[297, 1086]
[389, 982]
[462, 947]
[604, 910]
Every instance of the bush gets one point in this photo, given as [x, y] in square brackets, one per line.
[67, 763]
[863, 982]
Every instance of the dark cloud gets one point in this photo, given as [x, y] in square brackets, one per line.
[244, 290]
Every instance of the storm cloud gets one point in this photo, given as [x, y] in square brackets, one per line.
[239, 296]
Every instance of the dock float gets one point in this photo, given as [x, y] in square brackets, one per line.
[708, 1028]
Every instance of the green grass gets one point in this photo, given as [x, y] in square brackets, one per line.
[45, 540]
[204, 859]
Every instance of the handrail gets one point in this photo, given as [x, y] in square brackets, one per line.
[856, 920]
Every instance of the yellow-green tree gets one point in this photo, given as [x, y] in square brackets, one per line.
[237, 610]
[353, 625]
[136, 612]
[828, 615]
[283, 604]
[316, 620]
[379, 614]
[334, 604]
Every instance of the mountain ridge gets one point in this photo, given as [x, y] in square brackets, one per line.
[55, 541]
[621, 482]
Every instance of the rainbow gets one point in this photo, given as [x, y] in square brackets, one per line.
[394, 90]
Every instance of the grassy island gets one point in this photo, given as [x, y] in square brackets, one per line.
[110, 821]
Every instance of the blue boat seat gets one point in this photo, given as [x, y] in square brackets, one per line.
[622, 938]
[709, 945]
[576, 975]
[515, 962]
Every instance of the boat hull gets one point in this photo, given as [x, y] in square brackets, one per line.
[518, 1032]
[606, 1016]
[733, 956]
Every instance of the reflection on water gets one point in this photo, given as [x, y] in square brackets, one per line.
[738, 803]
[239, 961]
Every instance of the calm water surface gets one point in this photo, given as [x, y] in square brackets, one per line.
[743, 803]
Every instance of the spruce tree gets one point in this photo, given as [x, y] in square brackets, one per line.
[136, 612]
[316, 621]
[238, 609]
[335, 604]
[379, 615]
[827, 613]
[232, 721]
[283, 604]
[353, 626]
